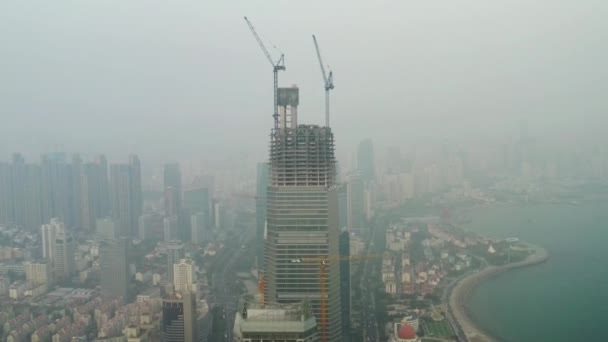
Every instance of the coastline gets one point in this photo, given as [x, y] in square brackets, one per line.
[460, 294]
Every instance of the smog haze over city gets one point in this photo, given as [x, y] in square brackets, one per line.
[156, 186]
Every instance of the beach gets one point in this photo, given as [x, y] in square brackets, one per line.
[461, 292]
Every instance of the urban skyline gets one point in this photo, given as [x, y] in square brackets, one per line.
[149, 192]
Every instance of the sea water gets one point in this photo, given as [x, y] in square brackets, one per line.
[564, 299]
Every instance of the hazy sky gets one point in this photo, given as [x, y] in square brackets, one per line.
[179, 79]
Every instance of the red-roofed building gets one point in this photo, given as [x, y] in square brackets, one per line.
[404, 333]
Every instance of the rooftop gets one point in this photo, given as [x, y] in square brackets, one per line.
[254, 317]
[275, 320]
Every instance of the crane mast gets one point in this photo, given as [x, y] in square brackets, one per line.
[276, 67]
[328, 81]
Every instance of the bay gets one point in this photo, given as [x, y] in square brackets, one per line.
[564, 299]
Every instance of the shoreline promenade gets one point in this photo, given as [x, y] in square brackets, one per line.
[459, 296]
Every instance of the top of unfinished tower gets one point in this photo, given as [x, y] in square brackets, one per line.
[300, 155]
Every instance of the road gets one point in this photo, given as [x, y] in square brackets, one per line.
[369, 321]
[445, 298]
[226, 285]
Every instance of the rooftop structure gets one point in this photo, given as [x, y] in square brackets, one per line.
[179, 318]
[302, 156]
[256, 322]
[183, 276]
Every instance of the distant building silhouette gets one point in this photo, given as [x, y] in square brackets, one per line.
[106, 228]
[126, 195]
[197, 200]
[199, 231]
[365, 160]
[172, 185]
[76, 193]
[356, 203]
[171, 228]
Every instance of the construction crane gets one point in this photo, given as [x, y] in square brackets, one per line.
[276, 67]
[327, 80]
[323, 262]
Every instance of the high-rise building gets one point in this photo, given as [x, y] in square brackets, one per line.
[302, 218]
[255, 322]
[33, 193]
[260, 211]
[137, 199]
[64, 255]
[94, 193]
[150, 226]
[37, 273]
[393, 162]
[175, 252]
[114, 275]
[48, 235]
[171, 201]
[179, 323]
[6, 194]
[219, 215]
[198, 226]
[126, 195]
[120, 178]
[195, 216]
[198, 200]
[170, 228]
[105, 228]
[58, 187]
[356, 203]
[104, 205]
[21, 194]
[88, 196]
[18, 180]
[183, 276]
[46, 196]
[365, 160]
[76, 194]
[172, 184]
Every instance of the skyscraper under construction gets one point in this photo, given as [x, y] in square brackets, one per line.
[302, 218]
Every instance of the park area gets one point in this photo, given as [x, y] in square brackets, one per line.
[437, 328]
